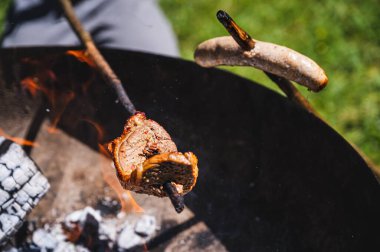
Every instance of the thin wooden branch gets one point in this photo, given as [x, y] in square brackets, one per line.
[101, 64]
[292, 92]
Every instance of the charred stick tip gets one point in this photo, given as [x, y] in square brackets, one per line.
[223, 17]
[240, 36]
[176, 199]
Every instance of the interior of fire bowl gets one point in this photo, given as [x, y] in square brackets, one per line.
[272, 177]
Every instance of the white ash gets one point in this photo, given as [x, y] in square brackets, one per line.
[131, 232]
[44, 240]
[146, 225]
[128, 238]
[137, 233]
[21, 197]
[69, 247]
[4, 196]
[21, 187]
[4, 172]
[14, 157]
[8, 203]
[26, 206]
[27, 168]
[9, 184]
[16, 210]
[9, 221]
[19, 176]
[52, 238]
[108, 229]
[80, 216]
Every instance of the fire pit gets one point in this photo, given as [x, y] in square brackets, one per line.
[272, 176]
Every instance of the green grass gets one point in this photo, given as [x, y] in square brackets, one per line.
[3, 7]
[342, 36]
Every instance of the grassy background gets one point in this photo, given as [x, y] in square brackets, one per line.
[343, 36]
[3, 7]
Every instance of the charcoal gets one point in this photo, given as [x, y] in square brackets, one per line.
[21, 187]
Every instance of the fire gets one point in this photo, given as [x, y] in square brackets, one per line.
[127, 202]
[145, 247]
[59, 103]
[31, 85]
[58, 92]
[99, 132]
[81, 56]
[18, 140]
[57, 99]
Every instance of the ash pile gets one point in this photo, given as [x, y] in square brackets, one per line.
[88, 230]
[22, 185]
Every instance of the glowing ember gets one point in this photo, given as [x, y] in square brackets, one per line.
[61, 100]
[18, 140]
[31, 85]
[81, 56]
[58, 99]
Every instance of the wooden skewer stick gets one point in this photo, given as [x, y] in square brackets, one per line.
[241, 37]
[247, 43]
[292, 92]
[112, 79]
[176, 199]
[101, 64]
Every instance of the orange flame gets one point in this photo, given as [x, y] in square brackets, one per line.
[45, 80]
[17, 140]
[31, 84]
[81, 56]
[59, 102]
[145, 247]
[127, 202]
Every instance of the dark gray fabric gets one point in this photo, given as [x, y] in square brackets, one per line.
[126, 24]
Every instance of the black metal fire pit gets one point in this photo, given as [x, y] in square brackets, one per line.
[272, 176]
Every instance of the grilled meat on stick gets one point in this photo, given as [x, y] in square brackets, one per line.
[147, 160]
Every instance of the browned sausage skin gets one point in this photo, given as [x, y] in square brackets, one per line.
[272, 58]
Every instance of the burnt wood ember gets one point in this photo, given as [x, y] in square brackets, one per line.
[21, 187]
[146, 158]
